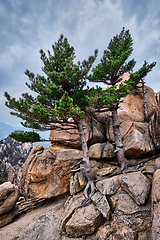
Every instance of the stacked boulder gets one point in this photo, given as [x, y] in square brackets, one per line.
[121, 206]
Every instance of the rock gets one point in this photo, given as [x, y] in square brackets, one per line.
[157, 164]
[126, 123]
[133, 104]
[127, 205]
[40, 223]
[13, 155]
[9, 195]
[125, 233]
[101, 150]
[95, 151]
[154, 128]
[94, 132]
[77, 182]
[136, 185]
[106, 170]
[19, 209]
[85, 220]
[102, 204]
[103, 232]
[70, 206]
[108, 151]
[149, 169]
[46, 172]
[156, 187]
[108, 186]
[138, 142]
[156, 223]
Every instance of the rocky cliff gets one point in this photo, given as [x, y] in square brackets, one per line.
[126, 206]
[12, 157]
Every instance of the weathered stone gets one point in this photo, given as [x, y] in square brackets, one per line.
[156, 223]
[138, 142]
[19, 209]
[95, 151]
[133, 104]
[154, 128]
[136, 185]
[40, 223]
[101, 150]
[127, 205]
[74, 184]
[125, 233]
[94, 132]
[85, 220]
[102, 204]
[126, 123]
[46, 172]
[108, 186]
[82, 179]
[102, 233]
[108, 151]
[106, 170]
[157, 164]
[70, 206]
[77, 182]
[149, 168]
[9, 195]
[156, 187]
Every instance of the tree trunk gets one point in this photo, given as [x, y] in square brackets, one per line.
[146, 115]
[90, 174]
[118, 139]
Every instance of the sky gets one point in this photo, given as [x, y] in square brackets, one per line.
[26, 26]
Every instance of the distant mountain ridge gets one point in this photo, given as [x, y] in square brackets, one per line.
[6, 129]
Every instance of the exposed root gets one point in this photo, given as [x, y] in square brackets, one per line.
[89, 188]
[126, 164]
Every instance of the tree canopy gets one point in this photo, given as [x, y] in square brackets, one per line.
[60, 93]
[112, 66]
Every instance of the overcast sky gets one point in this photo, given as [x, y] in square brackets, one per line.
[26, 26]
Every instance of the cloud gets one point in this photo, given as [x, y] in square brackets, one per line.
[28, 26]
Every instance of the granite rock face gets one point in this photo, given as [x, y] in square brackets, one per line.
[94, 132]
[84, 221]
[154, 127]
[13, 154]
[9, 195]
[136, 185]
[46, 172]
[156, 205]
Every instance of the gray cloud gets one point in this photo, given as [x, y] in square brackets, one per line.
[27, 26]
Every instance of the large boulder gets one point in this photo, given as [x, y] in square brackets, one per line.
[93, 129]
[154, 128]
[136, 185]
[133, 104]
[46, 172]
[9, 195]
[156, 205]
[84, 221]
[101, 150]
[138, 142]
[126, 121]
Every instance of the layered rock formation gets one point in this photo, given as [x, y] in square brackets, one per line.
[123, 206]
[13, 154]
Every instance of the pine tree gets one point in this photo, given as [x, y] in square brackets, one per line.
[60, 95]
[109, 71]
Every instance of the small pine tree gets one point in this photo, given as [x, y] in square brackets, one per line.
[60, 94]
[109, 71]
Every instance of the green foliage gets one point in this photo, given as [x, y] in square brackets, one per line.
[59, 94]
[113, 64]
[25, 136]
